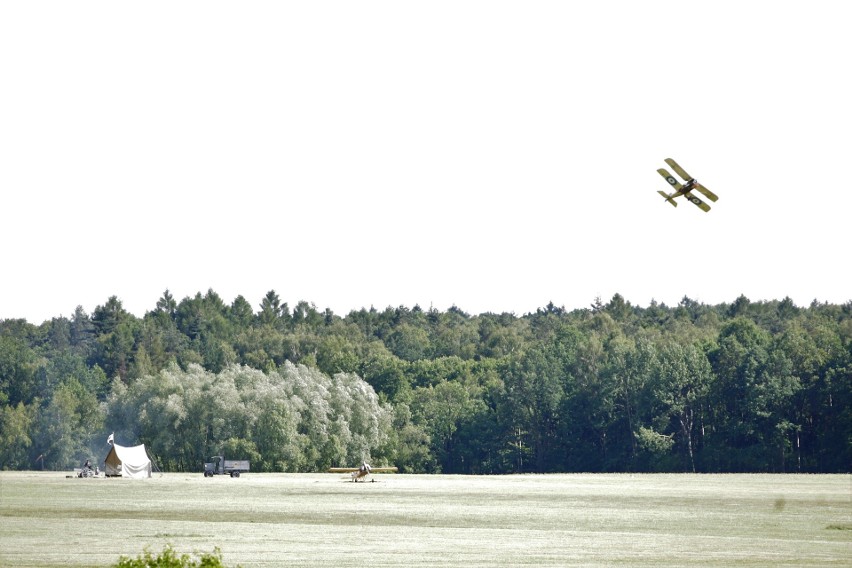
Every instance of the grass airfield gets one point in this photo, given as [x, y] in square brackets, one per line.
[265, 520]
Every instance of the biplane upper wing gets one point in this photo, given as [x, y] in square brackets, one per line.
[678, 170]
[707, 193]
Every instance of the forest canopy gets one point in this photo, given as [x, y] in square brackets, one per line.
[740, 387]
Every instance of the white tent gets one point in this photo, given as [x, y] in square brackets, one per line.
[127, 462]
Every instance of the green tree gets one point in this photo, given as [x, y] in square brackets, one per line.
[408, 342]
[82, 333]
[66, 365]
[114, 350]
[535, 395]
[273, 313]
[502, 336]
[277, 413]
[107, 317]
[18, 365]
[69, 427]
[240, 314]
[454, 334]
[385, 372]
[618, 308]
[408, 445]
[260, 347]
[628, 368]
[590, 408]
[15, 435]
[114, 344]
[442, 408]
[307, 314]
[749, 399]
[680, 386]
[819, 432]
[336, 354]
[167, 305]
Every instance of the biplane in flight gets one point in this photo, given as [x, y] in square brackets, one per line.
[686, 190]
[363, 471]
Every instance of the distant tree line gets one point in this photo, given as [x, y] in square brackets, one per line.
[739, 387]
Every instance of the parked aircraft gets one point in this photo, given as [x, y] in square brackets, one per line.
[363, 471]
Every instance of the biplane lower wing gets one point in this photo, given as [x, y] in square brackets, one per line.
[700, 204]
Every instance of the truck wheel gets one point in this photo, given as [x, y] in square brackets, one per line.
[236, 474]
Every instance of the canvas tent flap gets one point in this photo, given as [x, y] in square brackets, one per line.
[130, 462]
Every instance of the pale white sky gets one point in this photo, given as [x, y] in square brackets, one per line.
[491, 155]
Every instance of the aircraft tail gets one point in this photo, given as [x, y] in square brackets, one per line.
[668, 198]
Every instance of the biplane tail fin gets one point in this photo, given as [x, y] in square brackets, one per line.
[668, 198]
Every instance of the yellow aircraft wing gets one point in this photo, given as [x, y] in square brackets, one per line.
[707, 193]
[678, 170]
[372, 469]
[671, 179]
[700, 204]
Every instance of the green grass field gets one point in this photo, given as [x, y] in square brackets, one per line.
[428, 520]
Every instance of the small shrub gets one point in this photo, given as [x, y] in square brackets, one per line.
[170, 559]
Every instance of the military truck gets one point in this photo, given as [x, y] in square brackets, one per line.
[218, 465]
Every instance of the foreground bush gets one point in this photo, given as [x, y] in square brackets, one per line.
[170, 559]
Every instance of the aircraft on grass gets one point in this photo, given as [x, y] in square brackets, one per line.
[363, 471]
[691, 183]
